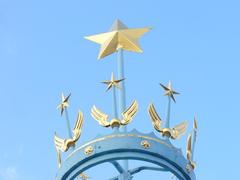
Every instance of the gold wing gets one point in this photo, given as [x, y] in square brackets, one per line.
[156, 120]
[59, 158]
[60, 143]
[179, 130]
[78, 126]
[100, 117]
[129, 114]
[189, 147]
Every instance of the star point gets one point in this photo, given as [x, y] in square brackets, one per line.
[169, 91]
[195, 124]
[119, 37]
[113, 82]
[64, 103]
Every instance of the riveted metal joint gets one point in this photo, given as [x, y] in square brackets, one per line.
[88, 150]
[145, 144]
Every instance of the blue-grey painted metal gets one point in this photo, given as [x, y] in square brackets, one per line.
[129, 173]
[167, 123]
[122, 95]
[115, 112]
[194, 142]
[117, 166]
[126, 146]
[68, 123]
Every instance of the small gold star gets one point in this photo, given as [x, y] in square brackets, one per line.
[64, 103]
[113, 82]
[169, 91]
[119, 37]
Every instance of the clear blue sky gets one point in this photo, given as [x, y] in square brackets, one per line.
[195, 44]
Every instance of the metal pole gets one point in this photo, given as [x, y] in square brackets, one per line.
[68, 123]
[115, 111]
[122, 96]
[194, 141]
[167, 124]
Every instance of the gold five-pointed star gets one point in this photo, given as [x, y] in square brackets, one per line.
[113, 82]
[119, 37]
[169, 91]
[64, 103]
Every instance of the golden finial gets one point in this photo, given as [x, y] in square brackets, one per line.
[173, 133]
[113, 82]
[119, 37]
[169, 91]
[64, 103]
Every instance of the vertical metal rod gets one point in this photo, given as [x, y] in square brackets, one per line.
[115, 111]
[194, 142]
[68, 123]
[122, 96]
[167, 124]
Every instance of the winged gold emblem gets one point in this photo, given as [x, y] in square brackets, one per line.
[63, 145]
[191, 165]
[172, 133]
[127, 116]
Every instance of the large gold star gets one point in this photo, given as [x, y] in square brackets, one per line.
[119, 37]
[169, 91]
[64, 103]
[113, 82]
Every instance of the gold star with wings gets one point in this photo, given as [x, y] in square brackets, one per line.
[119, 37]
[173, 133]
[64, 103]
[113, 82]
[127, 116]
[169, 91]
[192, 165]
[63, 145]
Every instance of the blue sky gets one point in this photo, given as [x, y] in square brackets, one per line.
[195, 44]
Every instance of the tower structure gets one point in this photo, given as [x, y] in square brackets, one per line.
[123, 144]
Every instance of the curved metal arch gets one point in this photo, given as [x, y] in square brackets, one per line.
[121, 146]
